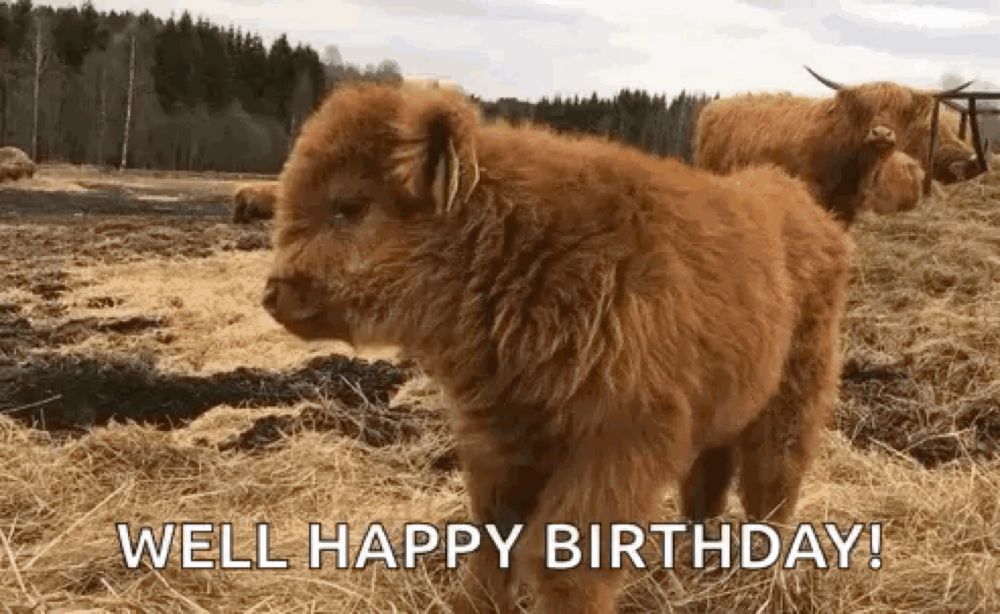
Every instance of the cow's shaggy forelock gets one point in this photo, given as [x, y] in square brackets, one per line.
[890, 98]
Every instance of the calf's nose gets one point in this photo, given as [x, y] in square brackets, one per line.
[292, 299]
[270, 300]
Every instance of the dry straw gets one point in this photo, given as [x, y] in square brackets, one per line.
[916, 451]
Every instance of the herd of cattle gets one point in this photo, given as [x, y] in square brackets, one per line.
[866, 148]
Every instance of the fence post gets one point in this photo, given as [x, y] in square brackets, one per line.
[977, 141]
[931, 150]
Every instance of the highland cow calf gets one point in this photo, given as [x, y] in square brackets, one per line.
[605, 324]
[254, 201]
[832, 144]
[894, 185]
[15, 164]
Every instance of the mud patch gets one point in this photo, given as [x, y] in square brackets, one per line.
[46, 283]
[248, 243]
[78, 329]
[35, 252]
[885, 406]
[109, 200]
[15, 329]
[70, 392]
[373, 424]
[50, 290]
[19, 335]
[858, 372]
[103, 302]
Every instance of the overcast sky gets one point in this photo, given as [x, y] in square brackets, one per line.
[531, 48]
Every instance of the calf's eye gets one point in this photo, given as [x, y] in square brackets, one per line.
[349, 209]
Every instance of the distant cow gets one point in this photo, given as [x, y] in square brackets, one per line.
[15, 164]
[254, 201]
[833, 144]
[955, 157]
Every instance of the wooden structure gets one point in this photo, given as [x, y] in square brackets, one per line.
[969, 116]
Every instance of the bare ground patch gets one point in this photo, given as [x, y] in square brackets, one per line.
[58, 391]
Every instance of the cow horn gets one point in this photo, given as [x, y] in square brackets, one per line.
[953, 90]
[827, 82]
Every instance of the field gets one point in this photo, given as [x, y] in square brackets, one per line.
[141, 382]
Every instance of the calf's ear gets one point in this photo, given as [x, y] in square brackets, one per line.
[435, 159]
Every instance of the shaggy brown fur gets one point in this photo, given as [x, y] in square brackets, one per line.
[830, 143]
[896, 184]
[15, 164]
[605, 323]
[954, 158]
[254, 201]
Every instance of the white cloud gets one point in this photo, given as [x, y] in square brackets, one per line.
[917, 15]
[530, 48]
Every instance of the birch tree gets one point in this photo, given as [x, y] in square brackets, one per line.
[41, 54]
[129, 99]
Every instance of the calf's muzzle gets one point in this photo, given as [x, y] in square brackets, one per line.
[292, 300]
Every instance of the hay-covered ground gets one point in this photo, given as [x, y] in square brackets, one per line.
[153, 315]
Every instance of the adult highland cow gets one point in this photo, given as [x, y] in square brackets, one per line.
[831, 144]
[604, 323]
[954, 156]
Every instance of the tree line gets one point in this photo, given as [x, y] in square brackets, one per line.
[122, 89]
[86, 86]
[652, 123]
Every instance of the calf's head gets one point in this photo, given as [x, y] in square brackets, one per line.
[374, 175]
[894, 185]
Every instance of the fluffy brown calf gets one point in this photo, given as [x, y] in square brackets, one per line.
[894, 185]
[831, 144]
[15, 164]
[604, 323]
[254, 201]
